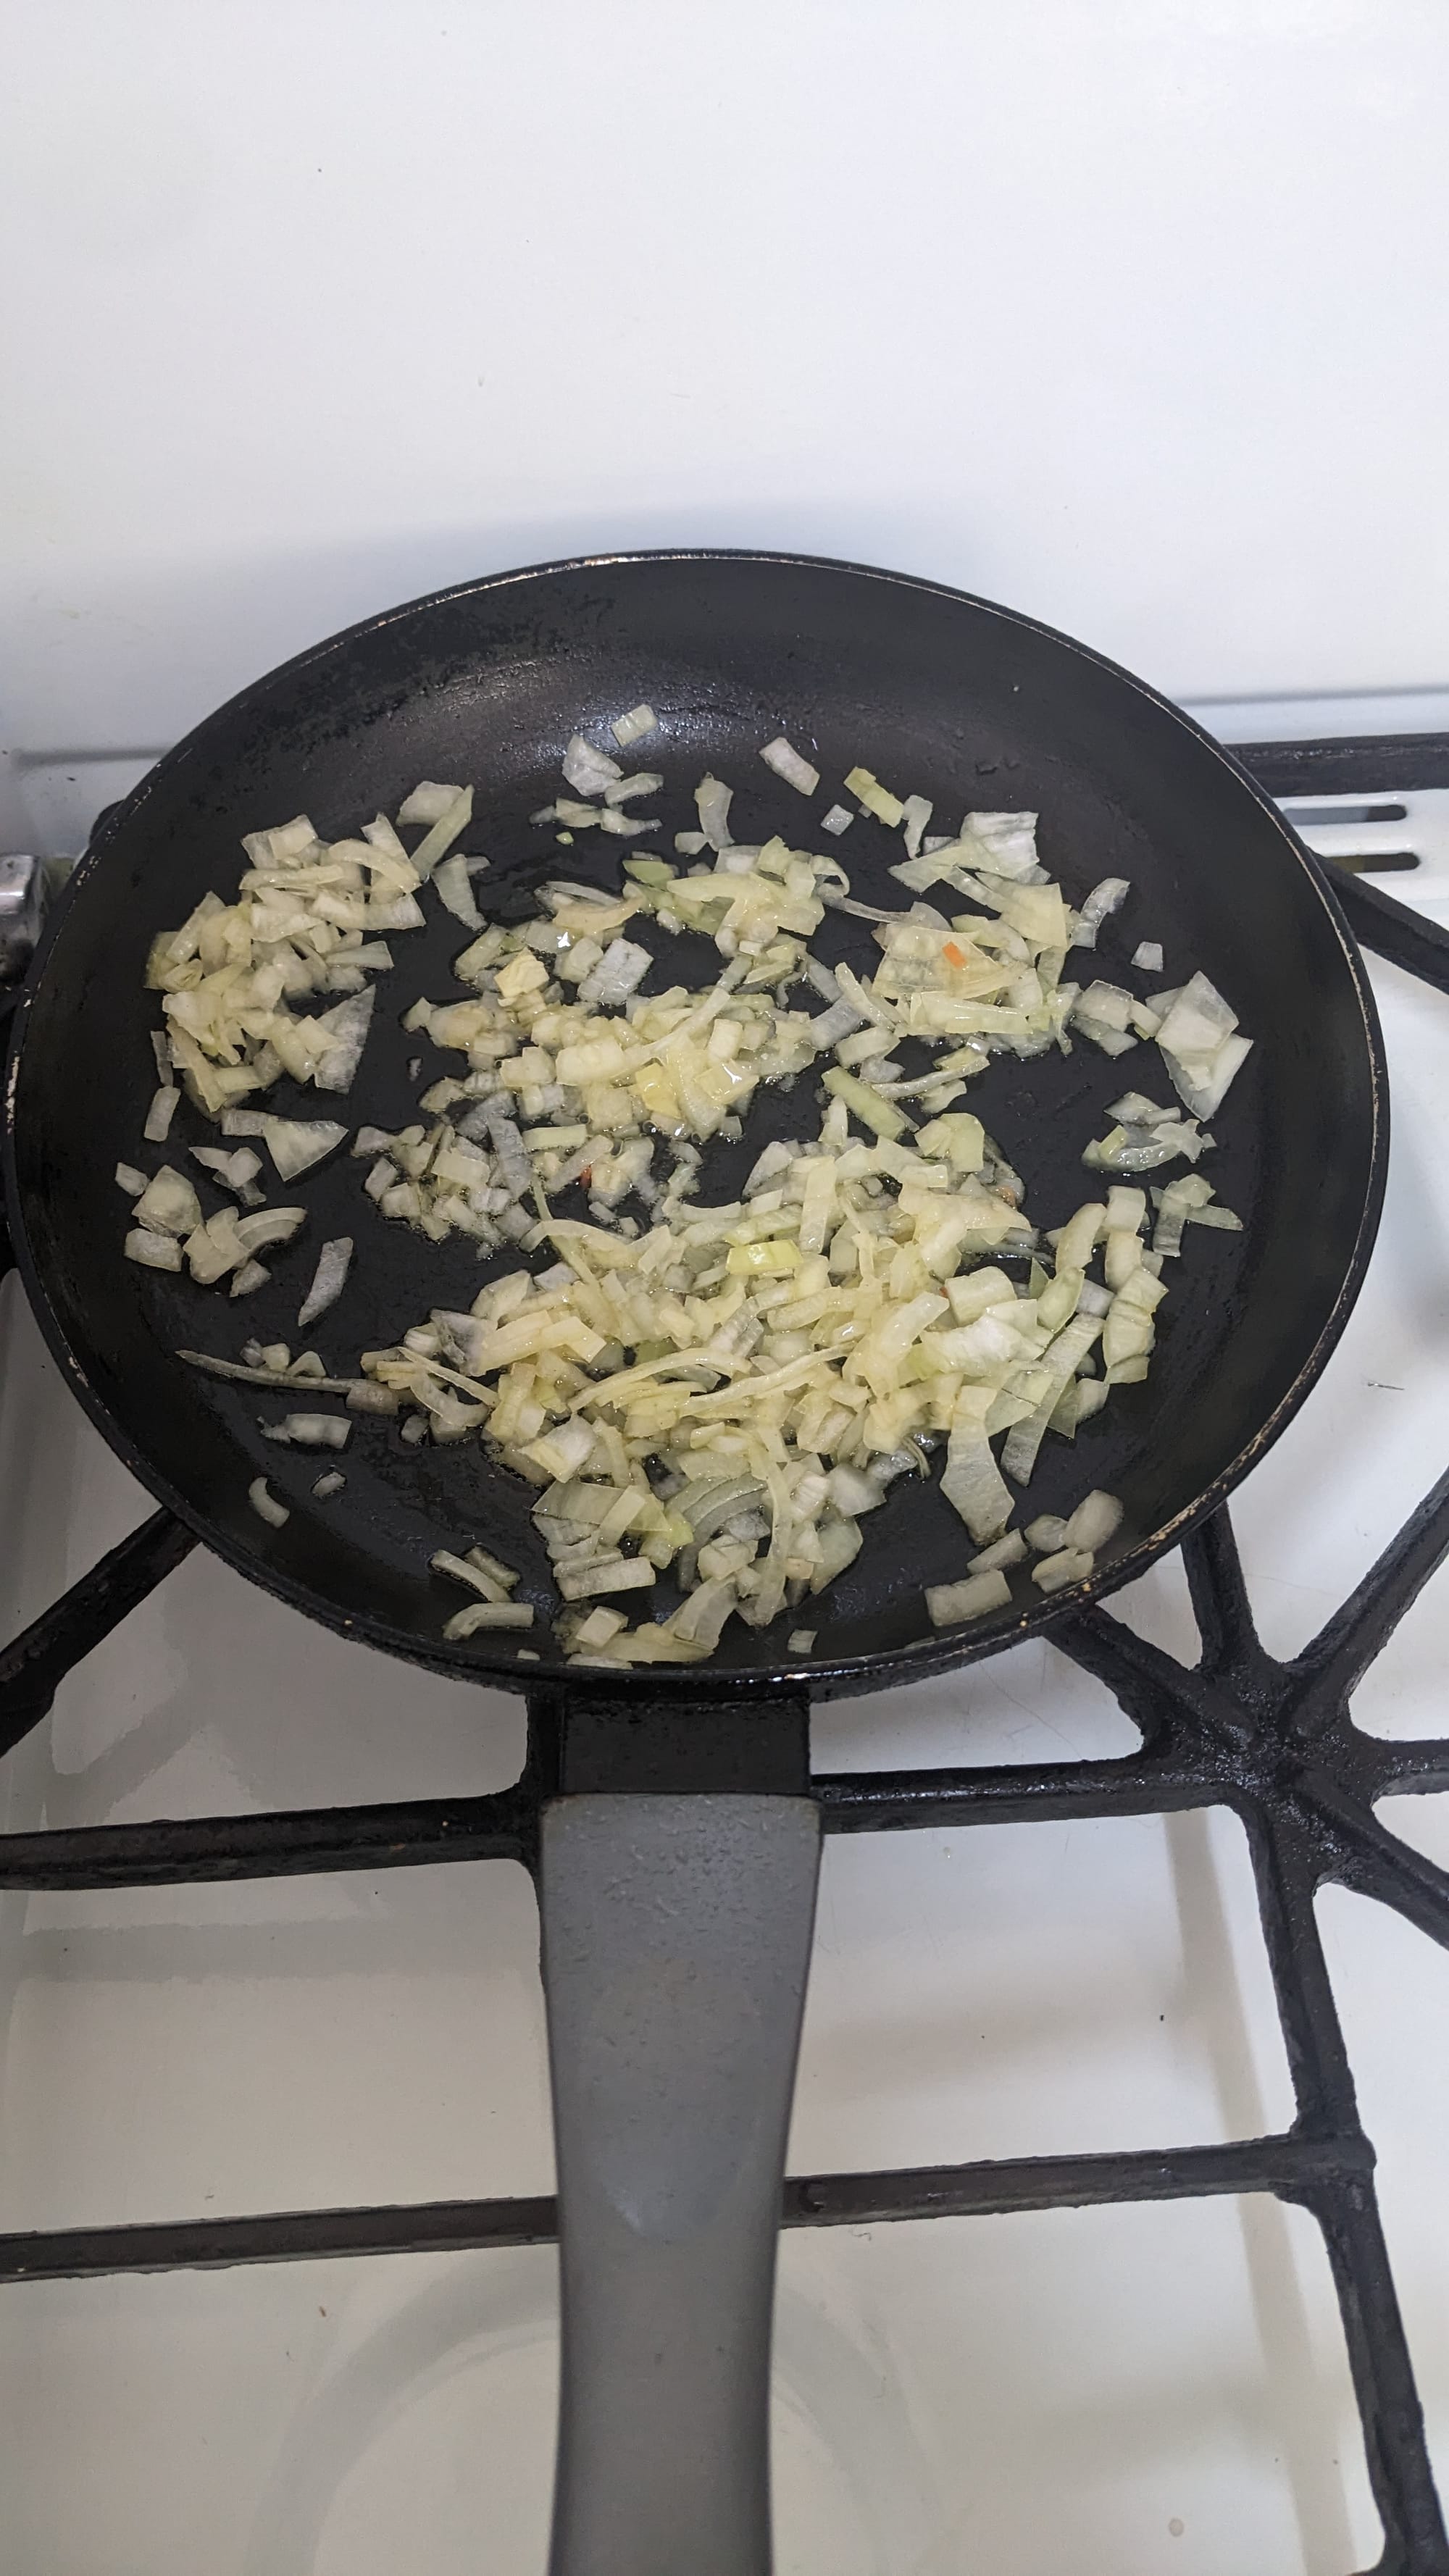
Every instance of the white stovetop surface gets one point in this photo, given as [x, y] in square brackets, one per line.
[1130, 2390]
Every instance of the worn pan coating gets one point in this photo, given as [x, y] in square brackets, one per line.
[965, 702]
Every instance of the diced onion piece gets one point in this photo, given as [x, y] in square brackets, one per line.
[949, 1604]
[168, 1204]
[626, 827]
[160, 1115]
[1045, 1535]
[713, 799]
[640, 782]
[265, 1504]
[916, 814]
[802, 1641]
[1197, 1022]
[787, 763]
[1008, 842]
[620, 971]
[866, 1105]
[633, 726]
[587, 770]
[454, 888]
[506, 1575]
[130, 1180]
[251, 1276]
[346, 1030]
[1148, 955]
[330, 1484]
[1202, 1081]
[268, 1226]
[294, 1144]
[609, 1574]
[435, 844]
[153, 1251]
[329, 1279]
[475, 1578]
[312, 1430]
[973, 1483]
[1003, 1552]
[599, 1626]
[837, 820]
[428, 803]
[1104, 899]
[488, 1614]
[1070, 1565]
[875, 799]
[1094, 1521]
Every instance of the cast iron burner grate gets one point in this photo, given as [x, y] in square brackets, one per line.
[1275, 1742]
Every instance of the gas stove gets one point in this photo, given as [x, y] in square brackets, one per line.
[1088, 2255]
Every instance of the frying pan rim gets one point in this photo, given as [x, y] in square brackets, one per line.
[924, 1657]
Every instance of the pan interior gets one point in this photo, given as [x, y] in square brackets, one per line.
[936, 693]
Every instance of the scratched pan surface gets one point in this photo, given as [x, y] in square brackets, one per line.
[936, 692]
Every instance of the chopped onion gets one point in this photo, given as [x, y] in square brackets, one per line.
[875, 799]
[916, 815]
[268, 1226]
[328, 1485]
[1202, 1081]
[802, 1641]
[488, 1614]
[1070, 1565]
[265, 1504]
[1104, 899]
[713, 801]
[454, 819]
[620, 971]
[294, 1144]
[723, 1394]
[311, 1430]
[130, 1180]
[787, 763]
[236, 1172]
[153, 1251]
[640, 782]
[1046, 1535]
[168, 1204]
[455, 889]
[1094, 1521]
[479, 1578]
[346, 1028]
[633, 726]
[588, 770]
[1003, 844]
[428, 803]
[950, 1603]
[1148, 955]
[609, 1574]
[329, 1279]
[160, 1115]
[1002, 1553]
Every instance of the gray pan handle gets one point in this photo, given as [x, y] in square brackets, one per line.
[676, 1943]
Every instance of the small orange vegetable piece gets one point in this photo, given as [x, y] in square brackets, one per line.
[952, 954]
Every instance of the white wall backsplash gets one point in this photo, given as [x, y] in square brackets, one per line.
[1130, 314]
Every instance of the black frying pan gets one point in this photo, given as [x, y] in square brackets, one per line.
[676, 1934]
